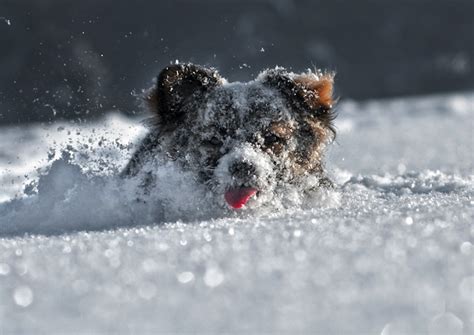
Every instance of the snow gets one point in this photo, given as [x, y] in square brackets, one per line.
[7, 21]
[389, 252]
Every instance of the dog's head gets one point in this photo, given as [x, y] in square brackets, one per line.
[248, 140]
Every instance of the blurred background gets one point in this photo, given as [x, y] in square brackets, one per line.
[64, 59]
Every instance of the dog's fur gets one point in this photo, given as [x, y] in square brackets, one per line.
[266, 134]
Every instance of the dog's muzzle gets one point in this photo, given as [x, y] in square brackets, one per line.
[243, 174]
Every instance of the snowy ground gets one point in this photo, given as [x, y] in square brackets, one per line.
[390, 252]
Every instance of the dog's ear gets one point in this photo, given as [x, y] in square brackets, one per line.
[317, 89]
[309, 92]
[313, 90]
[177, 84]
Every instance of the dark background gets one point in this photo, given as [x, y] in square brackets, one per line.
[78, 59]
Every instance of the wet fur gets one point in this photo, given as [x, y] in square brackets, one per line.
[266, 133]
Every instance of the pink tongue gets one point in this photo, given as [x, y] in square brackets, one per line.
[238, 197]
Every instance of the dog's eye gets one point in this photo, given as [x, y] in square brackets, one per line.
[214, 141]
[271, 139]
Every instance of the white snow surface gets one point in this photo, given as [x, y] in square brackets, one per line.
[388, 252]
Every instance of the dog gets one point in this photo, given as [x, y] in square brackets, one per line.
[246, 142]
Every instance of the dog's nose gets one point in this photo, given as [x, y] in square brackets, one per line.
[242, 169]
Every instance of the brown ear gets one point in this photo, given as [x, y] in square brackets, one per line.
[314, 90]
[177, 85]
[309, 93]
[317, 89]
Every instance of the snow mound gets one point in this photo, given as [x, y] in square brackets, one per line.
[65, 198]
[414, 183]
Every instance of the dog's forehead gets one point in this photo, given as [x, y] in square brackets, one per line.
[235, 104]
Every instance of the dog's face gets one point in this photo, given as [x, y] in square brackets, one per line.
[245, 141]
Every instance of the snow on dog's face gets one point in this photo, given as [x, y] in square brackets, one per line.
[246, 141]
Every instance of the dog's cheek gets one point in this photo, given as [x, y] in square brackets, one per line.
[305, 157]
[308, 155]
[209, 160]
[206, 159]
[176, 145]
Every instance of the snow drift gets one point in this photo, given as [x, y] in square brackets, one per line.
[388, 252]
